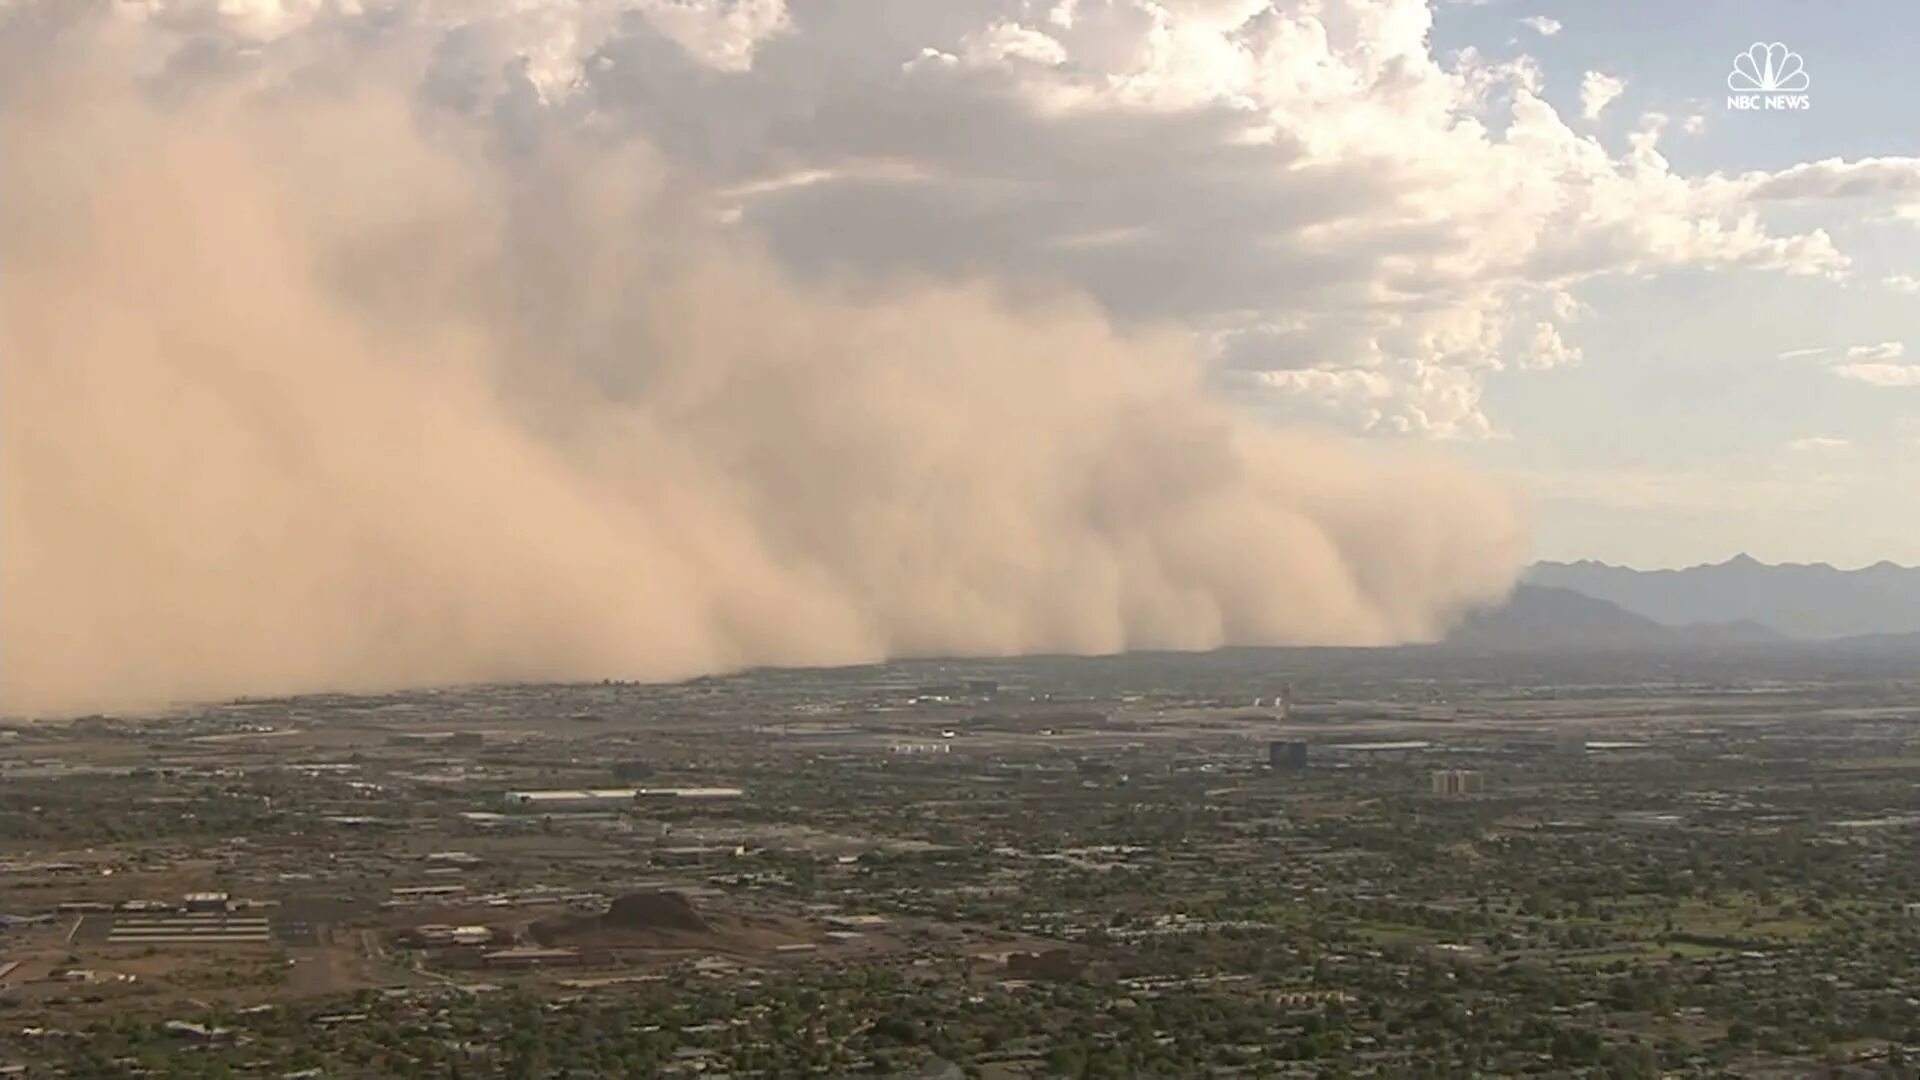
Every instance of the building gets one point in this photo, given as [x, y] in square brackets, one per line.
[1456, 782]
[1050, 964]
[530, 957]
[857, 922]
[191, 929]
[1399, 748]
[581, 799]
[690, 855]
[202, 902]
[413, 894]
[436, 738]
[601, 798]
[1287, 754]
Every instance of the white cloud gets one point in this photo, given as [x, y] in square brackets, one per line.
[1546, 349]
[1819, 444]
[1567, 306]
[1835, 178]
[1880, 364]
[1597, 91]
[724, 34]
[1542, 25]
[1890, 185]
[1884, 351]
[1903, 283]
[1880, 374]
[1010, 41]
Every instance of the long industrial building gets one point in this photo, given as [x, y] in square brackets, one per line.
[590, 798]
[190, 929]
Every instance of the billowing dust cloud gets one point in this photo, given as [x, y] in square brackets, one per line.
[305, 389]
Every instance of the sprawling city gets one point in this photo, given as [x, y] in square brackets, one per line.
[959, 539]
[1247, 863]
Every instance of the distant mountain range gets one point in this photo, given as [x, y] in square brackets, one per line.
[1797, 600]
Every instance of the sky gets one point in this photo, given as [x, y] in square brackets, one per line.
[1530, 236]
[1715, 410]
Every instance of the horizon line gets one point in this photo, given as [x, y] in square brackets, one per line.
[1736, 558]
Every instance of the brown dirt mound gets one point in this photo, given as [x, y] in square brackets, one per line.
[641, 914]
[654, 911]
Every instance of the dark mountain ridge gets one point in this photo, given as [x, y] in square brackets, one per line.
[1538, 618]
[1799, 600]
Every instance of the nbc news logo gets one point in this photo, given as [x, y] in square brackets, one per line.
[1768, 77]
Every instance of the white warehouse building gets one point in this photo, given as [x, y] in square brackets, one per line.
[593, 798]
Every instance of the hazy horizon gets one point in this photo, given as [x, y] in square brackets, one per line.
[1735, 557]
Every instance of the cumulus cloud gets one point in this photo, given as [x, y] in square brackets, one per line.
[1887, 187]
[1880, 364]
[1005, 41]
[1836, 178]
[1308, 186]
[1880, 353]
[1542, 25]
[1902, 283]
[1547, 349]
[317, 378]
[1597, 91]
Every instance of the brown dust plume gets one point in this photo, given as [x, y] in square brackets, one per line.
[303, 388]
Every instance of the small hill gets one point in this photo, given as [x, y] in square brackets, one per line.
[1541, 619]
[661, 919]
[658, 915]
[1875, 645]
[655, 911]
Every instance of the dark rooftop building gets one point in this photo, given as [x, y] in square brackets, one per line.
[1287, 754]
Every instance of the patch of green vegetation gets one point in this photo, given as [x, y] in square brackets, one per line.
[1386, 933]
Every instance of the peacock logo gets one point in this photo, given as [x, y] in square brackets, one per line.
[1768, 76]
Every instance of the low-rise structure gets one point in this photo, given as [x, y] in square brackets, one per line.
[1457, 782]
